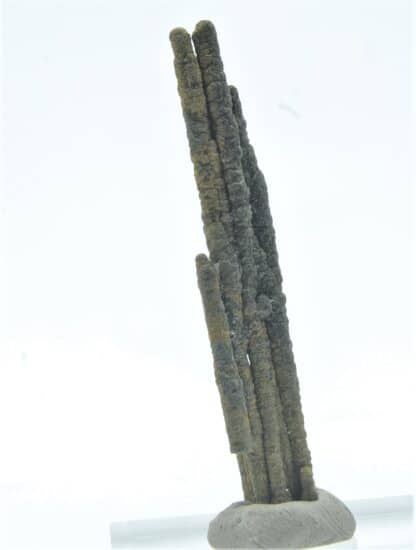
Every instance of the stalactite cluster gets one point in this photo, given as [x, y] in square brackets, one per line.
[240, 282]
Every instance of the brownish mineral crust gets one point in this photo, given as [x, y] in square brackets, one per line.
[241, 282]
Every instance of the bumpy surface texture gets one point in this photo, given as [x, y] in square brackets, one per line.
[241, 282]
[298, 524]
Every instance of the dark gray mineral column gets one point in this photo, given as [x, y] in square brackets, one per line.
[226, 133]
[226, 373]
[218, 232]
[277, 322]
[240, 283]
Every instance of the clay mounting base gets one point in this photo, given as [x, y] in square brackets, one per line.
[295, 524]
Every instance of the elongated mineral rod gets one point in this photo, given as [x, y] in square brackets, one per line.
[226, 373]
[264, 309]
[216, 220]
[277, 322]
[226, 134]
[255, 461]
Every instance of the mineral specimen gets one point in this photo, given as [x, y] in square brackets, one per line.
[241, 282]
[245, 313]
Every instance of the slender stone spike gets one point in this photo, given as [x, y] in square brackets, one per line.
[277, 321]
[225, 131]
[203, 148]
[261, 216]
[264, 309]
[218, 232]
[265, 386]
[190, 89]
[226, 373]
[218, 97]
[254, 474]
[232, 298]
[309, 491]
[286, 450]
[275, 443]
[247, 482]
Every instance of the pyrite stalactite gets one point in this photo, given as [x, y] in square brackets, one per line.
[241, 283]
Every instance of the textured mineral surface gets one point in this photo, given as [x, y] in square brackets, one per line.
[245, 311]
[240, 281]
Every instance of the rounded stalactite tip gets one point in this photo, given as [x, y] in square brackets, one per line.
[235, 99]
[204, 267]
[201, 260]
[180, 40]
[233, 90]
[205, 30]
[204, 26]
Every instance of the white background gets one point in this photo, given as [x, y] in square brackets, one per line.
[107, 393]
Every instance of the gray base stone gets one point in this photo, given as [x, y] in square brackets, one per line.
[295, 524]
